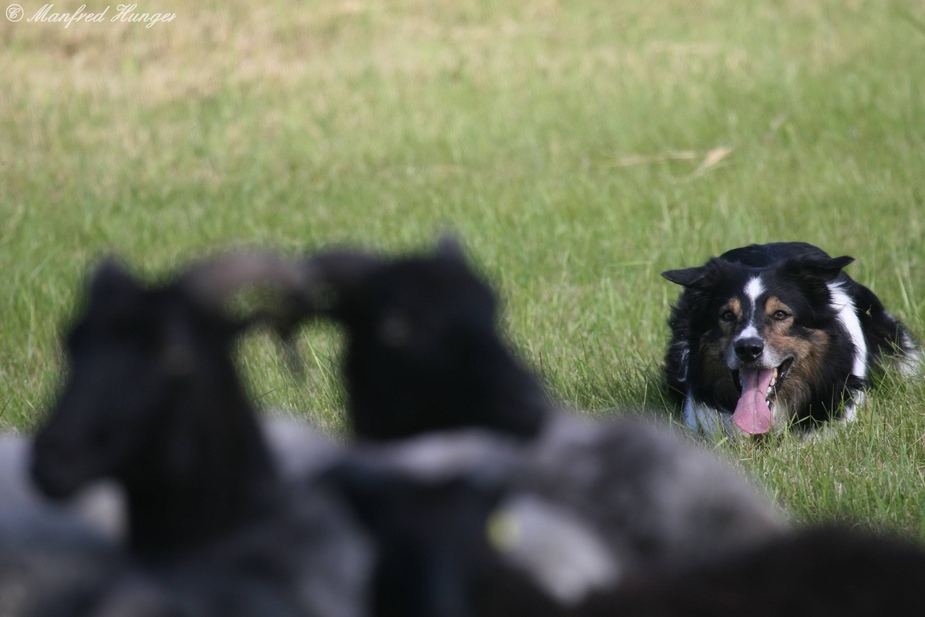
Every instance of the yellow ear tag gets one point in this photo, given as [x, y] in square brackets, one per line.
[503, 530]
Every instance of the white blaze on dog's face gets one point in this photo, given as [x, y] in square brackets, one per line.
[767, 353]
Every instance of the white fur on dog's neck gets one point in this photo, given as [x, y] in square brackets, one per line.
[847, 315]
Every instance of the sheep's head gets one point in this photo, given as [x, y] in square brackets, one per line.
[418, 306]
[423, 349]
[142, 361]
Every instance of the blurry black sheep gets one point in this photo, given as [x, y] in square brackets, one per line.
[454, 540]
[434, 558]
[423, 355]
[153, 401]
[422, 350]
[444, 540]
[817, 572]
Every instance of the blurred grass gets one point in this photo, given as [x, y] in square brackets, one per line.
[577, 149]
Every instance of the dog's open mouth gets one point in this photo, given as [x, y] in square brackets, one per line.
[758, 389]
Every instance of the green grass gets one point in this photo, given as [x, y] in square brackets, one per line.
[577, 150]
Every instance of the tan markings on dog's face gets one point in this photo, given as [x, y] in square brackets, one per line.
[807, 348]
[729, 315]
[713, 351]
[776, 330]
[713, 365]
[777, 311]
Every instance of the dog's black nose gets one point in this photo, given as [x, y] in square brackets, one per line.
[748, 349]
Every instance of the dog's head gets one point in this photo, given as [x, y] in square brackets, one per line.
[761, 337]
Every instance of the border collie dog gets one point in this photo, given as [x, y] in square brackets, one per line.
[768, 335]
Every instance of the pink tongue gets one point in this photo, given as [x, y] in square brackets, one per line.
[752, 413]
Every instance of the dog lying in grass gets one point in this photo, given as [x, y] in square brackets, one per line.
[769, 335]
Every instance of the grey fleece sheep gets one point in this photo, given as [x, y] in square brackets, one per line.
[44, 545]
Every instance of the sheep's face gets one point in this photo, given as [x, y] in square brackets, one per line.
[423, 310]
[421, 341]
[122, 370]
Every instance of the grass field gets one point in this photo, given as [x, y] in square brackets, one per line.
[577, 150]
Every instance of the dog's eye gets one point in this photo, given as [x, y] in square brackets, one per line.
[780, 315]
[727, 316]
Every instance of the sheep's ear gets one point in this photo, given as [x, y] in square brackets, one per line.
[449, 247]
[343, 269]
[112, 286]
[339, 273]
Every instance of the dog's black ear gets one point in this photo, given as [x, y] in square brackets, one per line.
[822, 268]
[837, 263]
[692, 278]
